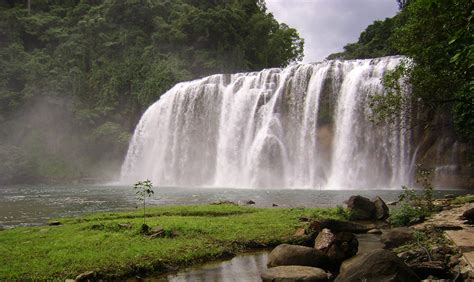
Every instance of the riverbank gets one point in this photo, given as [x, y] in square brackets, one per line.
[111, 245]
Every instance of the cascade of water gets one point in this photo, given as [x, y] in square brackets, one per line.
[305, 126]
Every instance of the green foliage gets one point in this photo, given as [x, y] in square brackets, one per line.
[373, 42]
[206, 232]
[463, 199]
[143, 190]
[406, 214]
[414, 206]
[437, 36]
[105, 62]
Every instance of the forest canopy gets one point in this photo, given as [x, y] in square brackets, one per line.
[76, 75]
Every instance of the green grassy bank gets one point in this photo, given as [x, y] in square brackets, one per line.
[98, 242]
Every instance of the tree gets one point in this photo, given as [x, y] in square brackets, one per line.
[438, 38]
[143, 190]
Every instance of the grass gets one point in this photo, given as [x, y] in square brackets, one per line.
[97, 242]
[463, 199]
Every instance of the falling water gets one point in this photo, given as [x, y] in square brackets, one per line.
[305, 126]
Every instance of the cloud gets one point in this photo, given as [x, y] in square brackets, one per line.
[328, 25]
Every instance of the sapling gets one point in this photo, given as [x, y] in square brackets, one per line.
[143, 190]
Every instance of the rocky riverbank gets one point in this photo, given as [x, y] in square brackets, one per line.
[438, 249]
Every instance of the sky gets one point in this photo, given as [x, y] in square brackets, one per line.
[328, 25]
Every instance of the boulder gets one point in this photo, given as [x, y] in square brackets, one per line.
[294, 273]
[381, 209]
[360, 208]
[286, 254]
[341, 225]
[396, 237]
[338, 247]
[377, 265]
[428, 268]
[469, 215]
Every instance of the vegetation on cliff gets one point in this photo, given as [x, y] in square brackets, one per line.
[75, 76]
[438, 38]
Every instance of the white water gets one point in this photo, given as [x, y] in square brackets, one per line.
[305, 126]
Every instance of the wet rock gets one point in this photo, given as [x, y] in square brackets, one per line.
[342, 226]
[469, 215]
[377, 265]
[381, 209]
[337, 247]
[54, 223]
[396, 237]
[250, 202]
[85, 276]
[294, 273]
[274, 205]
[374, 231]
[360, 208]
[286, 254]
[428, 268]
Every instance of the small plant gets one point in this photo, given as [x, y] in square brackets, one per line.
[143, 190]
[415, 207]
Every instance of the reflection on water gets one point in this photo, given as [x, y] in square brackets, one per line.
[246, 267]
[35, 204]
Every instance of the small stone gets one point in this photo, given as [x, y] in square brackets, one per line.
[294, 273]
[85, 276]
[427, 268]
[396, 237]
[250, 202]
[300, 232]
[54, 223]
[274, 205]
[125, 225]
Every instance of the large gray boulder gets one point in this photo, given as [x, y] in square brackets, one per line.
[381, 209]
[396, 237]
[286, 254]
[377, 265]
[338, 247]
[360, 208]
[294, 273]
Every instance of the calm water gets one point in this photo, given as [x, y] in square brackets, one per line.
[245, 267]
[34, 205]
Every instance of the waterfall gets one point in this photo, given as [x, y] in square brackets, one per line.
[305, 126]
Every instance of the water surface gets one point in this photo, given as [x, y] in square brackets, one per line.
[35, 204]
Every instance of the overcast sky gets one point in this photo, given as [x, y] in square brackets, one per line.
[328, 25]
